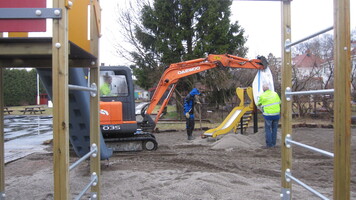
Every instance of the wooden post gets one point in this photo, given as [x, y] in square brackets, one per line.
[342, 99]
[255, 119]
[60, 104]
[286, 106]
[201, 126]
[2, 149]
[95, 131]
[94, 101]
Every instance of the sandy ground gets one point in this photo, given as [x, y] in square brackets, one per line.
[233, 167]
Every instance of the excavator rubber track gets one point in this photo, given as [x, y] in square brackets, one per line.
[138, 142]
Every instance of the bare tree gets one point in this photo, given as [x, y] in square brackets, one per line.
[275, 66]
[128, 18]
[314, 74]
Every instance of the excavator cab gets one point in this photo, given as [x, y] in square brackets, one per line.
[117, 107]
[117, 111]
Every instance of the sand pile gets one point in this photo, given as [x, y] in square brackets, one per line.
[238, 141]
[180, 184]
[232, 141]
[190, 170]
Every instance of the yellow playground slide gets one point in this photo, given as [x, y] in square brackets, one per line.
[233, 119]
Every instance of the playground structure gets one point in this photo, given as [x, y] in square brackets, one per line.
[12, 53]
[236, 116]
[68, 47]
[78, 111]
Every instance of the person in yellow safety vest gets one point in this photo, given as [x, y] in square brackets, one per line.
[105, 89]
[270, 103]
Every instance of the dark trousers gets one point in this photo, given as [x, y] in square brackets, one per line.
[271, 127]
[190, 126]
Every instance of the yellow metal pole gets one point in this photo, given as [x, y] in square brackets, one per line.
[94, 101]
[60, 104]
[2, 149]
[342, 99]
[286, 107]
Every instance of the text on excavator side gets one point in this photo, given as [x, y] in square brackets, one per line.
[189, 70]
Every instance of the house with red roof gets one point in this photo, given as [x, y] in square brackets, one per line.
[310, 71]
[319, 72]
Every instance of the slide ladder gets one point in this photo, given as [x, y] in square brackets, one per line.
[79, 112]
[233, 120]
[246, 118]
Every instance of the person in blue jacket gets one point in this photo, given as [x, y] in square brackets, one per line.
[189, 102]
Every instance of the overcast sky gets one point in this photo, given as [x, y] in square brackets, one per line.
[260, 19]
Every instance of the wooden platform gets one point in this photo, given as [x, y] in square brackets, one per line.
[37, 52]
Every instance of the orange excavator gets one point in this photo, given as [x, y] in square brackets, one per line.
[117, 108]
[179, 70]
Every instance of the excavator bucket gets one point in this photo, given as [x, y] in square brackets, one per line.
[264, 61]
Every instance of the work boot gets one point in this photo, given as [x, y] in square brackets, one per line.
[190, 137]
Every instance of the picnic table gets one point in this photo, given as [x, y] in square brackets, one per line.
[33, 110]
[6, 110]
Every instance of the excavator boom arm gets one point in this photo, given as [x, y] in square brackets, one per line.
[172, 75]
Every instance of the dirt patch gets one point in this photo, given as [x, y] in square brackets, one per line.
[233, 167]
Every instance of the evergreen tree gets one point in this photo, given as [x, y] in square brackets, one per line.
[178, 30]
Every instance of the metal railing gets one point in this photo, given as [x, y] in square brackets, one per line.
[93, 89]
[93, 182]
[288, 44]
[289, 93]
[288, 141]
[94, 177]
[93, 152]
[289, 177]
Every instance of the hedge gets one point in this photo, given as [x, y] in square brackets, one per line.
[20, 87]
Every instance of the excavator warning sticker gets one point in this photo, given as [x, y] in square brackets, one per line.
[217, 57]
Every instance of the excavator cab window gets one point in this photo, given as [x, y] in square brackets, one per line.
[113, 85]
